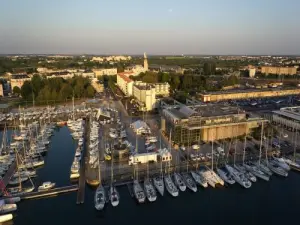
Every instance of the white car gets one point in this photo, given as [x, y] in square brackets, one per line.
[285, 135]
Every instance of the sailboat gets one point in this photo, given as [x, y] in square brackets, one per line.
[292, 162]
[238, 177]
[261, 166]
[114, 194]
[178, 178]
[225, 176]
[170, 186]
[100, 197]
[158, 181]
[281, 162]
[137, 188]
[149, 188]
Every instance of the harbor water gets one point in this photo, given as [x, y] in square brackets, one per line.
[273, 202]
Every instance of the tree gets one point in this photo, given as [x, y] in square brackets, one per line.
[90, 91]
[16, 90]
[165, 77]
[26, 90]
[175, 81]
[37, 84]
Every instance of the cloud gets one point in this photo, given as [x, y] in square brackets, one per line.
[170, 10]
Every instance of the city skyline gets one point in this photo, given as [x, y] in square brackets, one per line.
[158, 28]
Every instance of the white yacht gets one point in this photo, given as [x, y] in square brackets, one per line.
[239, 177]
[100, 198]
[6, 208]
[170, 186]
[138, 192]
[281, 162]
[149, 190]
[273, 165]
[179, 182]
[251, 167]
[46, 186]
[159, 184]
[225, 176]
[211, 177]
[199, 179]
[190, 183]
[5, 218]
[114, 196]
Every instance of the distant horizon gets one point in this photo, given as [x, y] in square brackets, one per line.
[208, 27]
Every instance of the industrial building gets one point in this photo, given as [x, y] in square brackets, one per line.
[145, 94]
[278, 70]
[108, 72]
[246, 94]
[288, 117]
[125, 84]
[193, 123]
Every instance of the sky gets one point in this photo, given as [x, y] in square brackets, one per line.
[243, 27]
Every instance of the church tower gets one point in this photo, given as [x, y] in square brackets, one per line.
[145, 62]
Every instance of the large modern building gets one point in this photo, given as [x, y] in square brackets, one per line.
[288, 117]
[18, 80]
[108, 72]
[278, 70]
[246, 94]
[125, 84]
[190, 124]
[145, 94]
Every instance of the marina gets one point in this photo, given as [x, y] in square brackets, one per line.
[109, 159]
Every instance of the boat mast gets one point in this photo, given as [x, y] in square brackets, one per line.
[99, 165]
[170, 149]
[212, 155]
[136, 168]
[260, 146]
[160, 151]
[244, 152]
[112, 168]
[234, 156]
[295, 146]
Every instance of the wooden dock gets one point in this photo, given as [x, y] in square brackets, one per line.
[81, 180]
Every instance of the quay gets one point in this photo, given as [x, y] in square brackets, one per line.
[81, 180]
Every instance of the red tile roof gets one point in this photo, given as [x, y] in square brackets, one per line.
[124, 77]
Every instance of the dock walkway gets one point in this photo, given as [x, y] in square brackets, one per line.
[81, 180]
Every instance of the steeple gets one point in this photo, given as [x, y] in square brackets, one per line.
[145, 62]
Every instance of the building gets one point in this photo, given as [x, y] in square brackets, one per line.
[288, 117]
[108, 72]
[162, 89]
[125, 83]
[97, 59]
[278, 70]
[145, 62]
[117, 58]
[252, 72]
[17, 80]
[246, 94]
[190, 124]
[63, 74]
[145, 94]
[97, 85]
[88, 74]
[1, 90]
[140, 127]
[135, 70]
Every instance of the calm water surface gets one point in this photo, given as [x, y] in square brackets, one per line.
[274, 202]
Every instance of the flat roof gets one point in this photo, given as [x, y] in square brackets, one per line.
[247, 90]
[19, 76]
[185, 112]
[293, 113]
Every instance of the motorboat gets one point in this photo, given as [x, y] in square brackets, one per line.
[149, 190]
[6, 208]
[138, 192]
[170, 186]
[225, 176]
[100, 198]
[46, 186]
[18, 180]
[179, 182]
[251, 167]
[114, 196]
[273, 165]
[238, 177]
[247, 174]
[159, 185]
[281, 162]
[199, 179]
[190, 183]
[211, 177]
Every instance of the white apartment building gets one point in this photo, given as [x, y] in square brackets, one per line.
[111, 58]
[162, 89]
[97, 59]
[125, 84]
[136, 70]
[109, 72]
[145, 94]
